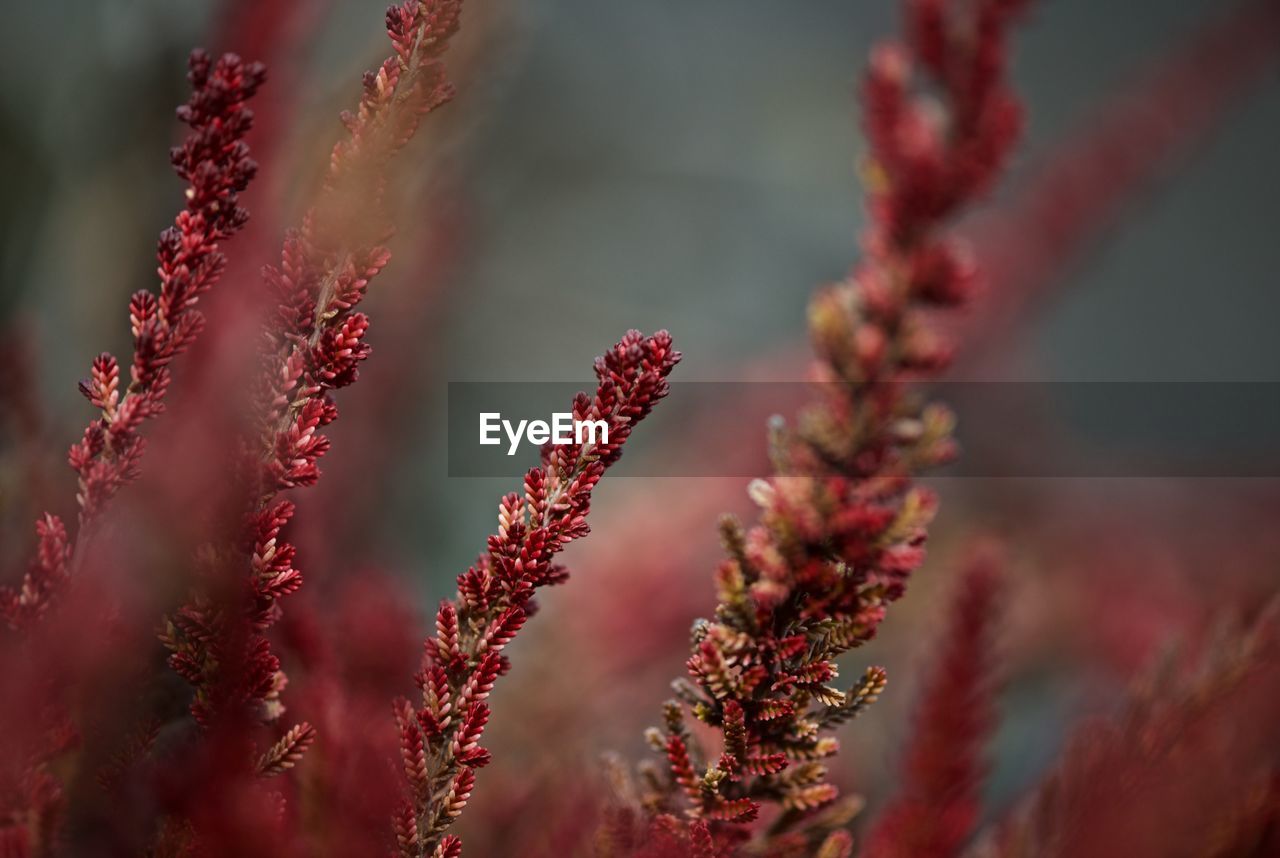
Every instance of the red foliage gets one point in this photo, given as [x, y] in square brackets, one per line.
[314, 344]
[935, 809]
[215, 163]
[100, 757]
[1188, 769]
[440, 738]
[841, 526]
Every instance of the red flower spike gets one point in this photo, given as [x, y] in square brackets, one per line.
[681, 767]
[936, 808]
[48, 570]
[469, 732]
[449, 847]
[841, 526]
[495, 596]
[215, 163]
[501, 631]
[286, 753]
[314, 343]
[446, 640]
[413, 759]
[459, 792]
[738, 811]
[406, 830]
[700, 843]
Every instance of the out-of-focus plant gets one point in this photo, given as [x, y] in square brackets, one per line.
[215, 163]
[211, 793]
[935, 809]
[1191, 767]
[314, 345]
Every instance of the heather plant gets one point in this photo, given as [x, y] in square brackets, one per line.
[934, 811]
[1187, 768]
[107, 749]
[1068, 201]
[313, 343]
[440, 737]
[841, 524]
[215, 163]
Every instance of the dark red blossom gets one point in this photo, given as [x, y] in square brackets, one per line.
[214, 162]
[935, 807]
[313, 344]
[495, 596]
[841, 526]
[1189, 767]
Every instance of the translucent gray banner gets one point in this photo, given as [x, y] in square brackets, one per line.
[1005, 429]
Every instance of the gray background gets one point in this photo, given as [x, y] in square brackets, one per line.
[667, 163]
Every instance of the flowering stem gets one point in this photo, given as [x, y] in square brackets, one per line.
[935, 807]
[440, 737]
[215, 163]
[315, 341]
[841, 525]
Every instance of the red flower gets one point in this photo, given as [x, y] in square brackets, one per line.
[215, 163]
[495, 596]
[841, 527]
[935, 807]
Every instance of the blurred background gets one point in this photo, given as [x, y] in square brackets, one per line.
[693, 166]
